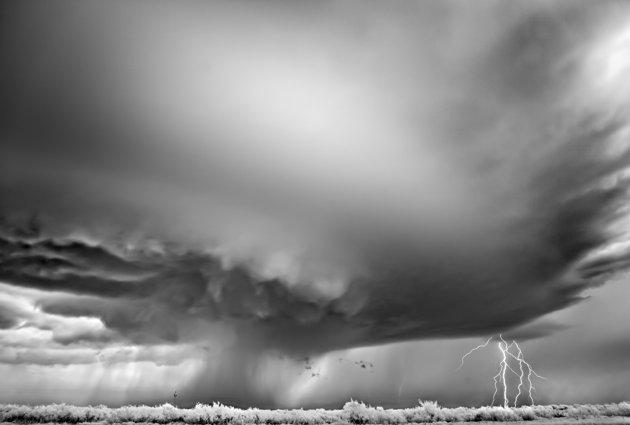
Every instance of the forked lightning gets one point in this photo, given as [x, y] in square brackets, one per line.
[511, 354]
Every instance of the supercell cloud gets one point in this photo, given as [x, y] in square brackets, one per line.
[232, 185]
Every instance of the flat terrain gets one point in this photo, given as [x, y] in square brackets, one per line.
[590, 421]
[353, 412]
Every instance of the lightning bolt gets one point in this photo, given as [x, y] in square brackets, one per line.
[479, 347]
[509, 353]
[530, 371]
[520, 376]
[504, 367]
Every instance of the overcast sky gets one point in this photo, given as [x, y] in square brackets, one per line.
[288, 203]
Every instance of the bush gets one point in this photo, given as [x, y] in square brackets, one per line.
[353, 412]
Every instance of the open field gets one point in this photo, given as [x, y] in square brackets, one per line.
[352, 413]
[593, 421]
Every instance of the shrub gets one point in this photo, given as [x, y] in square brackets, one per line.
[353, 412]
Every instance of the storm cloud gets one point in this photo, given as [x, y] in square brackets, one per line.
[231, 180]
